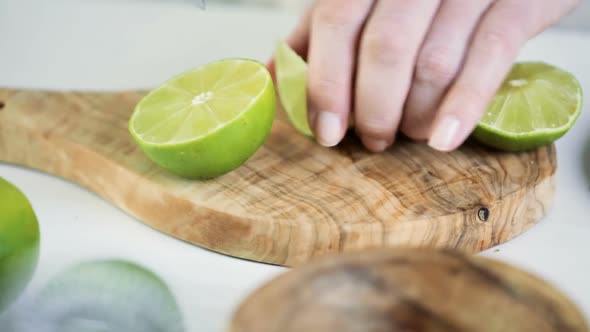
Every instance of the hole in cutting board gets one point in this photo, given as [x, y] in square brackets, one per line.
[483, 214]
[2, 105]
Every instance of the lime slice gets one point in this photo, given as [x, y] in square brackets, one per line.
[103, 296]
[536, 105]
[208, 121]
[19, 243]
[291, 74]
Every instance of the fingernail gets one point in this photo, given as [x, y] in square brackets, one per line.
[445, 134]
[375, 145]
[329, 129]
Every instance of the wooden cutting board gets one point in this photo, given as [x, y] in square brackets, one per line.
[293, 200]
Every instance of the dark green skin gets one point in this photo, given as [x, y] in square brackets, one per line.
[19, 243]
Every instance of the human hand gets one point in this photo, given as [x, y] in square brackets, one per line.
[426, 68]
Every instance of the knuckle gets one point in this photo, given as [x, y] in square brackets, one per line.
[382, 46]
[337, 15]
[326, 93]
[499, 41]
[436, 66]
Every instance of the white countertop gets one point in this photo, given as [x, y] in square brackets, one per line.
[111, 45]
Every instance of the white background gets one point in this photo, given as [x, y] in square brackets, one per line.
[117, 44]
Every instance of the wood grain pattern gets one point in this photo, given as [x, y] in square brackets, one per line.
[294, 200]
[407, 290]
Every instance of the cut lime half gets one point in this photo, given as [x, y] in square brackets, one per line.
[208, 121]
[536, 105]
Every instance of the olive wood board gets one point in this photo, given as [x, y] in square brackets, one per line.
[294, 199]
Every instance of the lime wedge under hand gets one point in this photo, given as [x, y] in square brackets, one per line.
[291, 74]
[208, 121]
[536, 105]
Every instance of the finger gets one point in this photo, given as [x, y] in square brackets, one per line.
[388, 50]
[335, 27]
[504, 29]
[440, 59]
[298, 39]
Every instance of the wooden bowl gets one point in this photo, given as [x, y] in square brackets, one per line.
[407, 290]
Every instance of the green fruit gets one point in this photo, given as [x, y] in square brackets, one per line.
[104, 296]
[291, 71]
[536, 105]
[19, 243]
[208, 121]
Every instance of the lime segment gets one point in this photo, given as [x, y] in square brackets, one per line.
[291, 72]
[208, 121]
[536, 105]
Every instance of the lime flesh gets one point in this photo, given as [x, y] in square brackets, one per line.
[291, 74]
[19, 243]
[536, 105]
[208, 121]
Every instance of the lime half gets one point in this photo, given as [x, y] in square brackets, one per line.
[291, 74]
[208, 121]
[536, 105]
